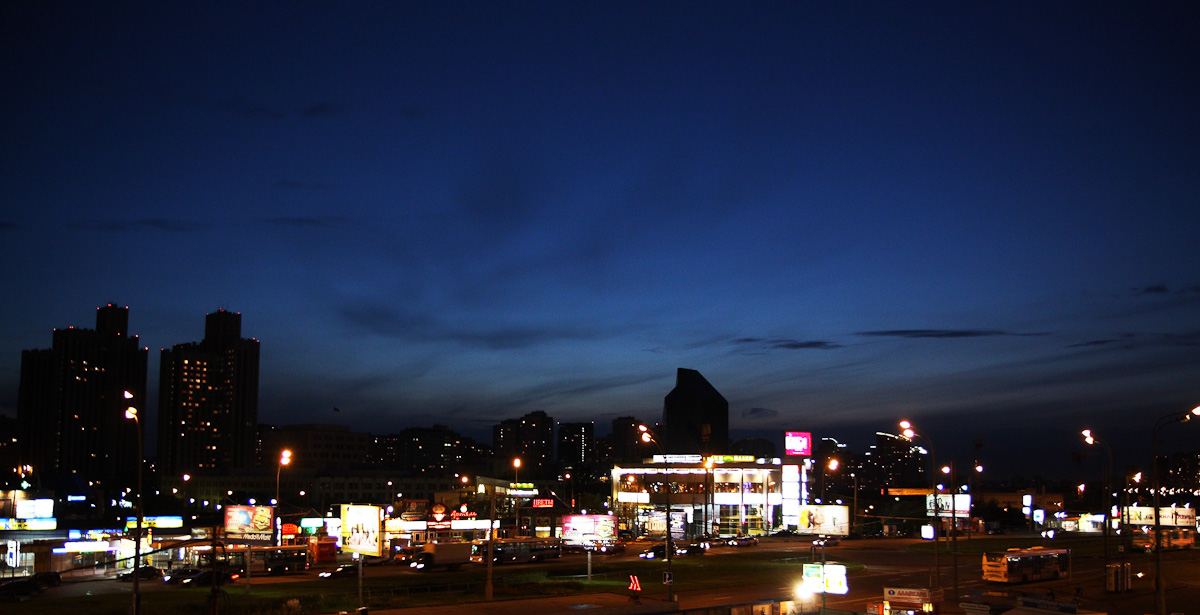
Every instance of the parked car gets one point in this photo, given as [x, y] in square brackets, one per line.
[827, 541]
[145, 572]
[16, 589]
[691, 549]
[343, 570]
[785, 533]
[608, 548]
[743, 541]
[48, 578]
[177, 575]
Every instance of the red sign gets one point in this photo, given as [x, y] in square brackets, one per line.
[633, 583]
[543, 503]
[290, 529]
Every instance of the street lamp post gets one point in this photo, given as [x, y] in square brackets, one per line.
[517, 500]
[1160, 590]
[1090, 438]
[953, 524]
[285, 457]
[648, 437]
[132, 413]
[910, 434]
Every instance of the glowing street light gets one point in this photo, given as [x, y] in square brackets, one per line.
[1160, 595]
[910, 434]
[131, 413]
[1091, 439]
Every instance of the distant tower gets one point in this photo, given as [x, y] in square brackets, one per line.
[72, 403]
[208, 400]
[695, 417]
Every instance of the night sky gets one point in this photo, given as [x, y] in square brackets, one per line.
[982, 217]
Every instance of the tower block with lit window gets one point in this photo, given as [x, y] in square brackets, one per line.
[71, 403]
[208, 400]
[695, 417]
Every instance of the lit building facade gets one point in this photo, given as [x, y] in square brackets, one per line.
[724, 495]
[208, 400]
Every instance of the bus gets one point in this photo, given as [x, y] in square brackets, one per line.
[1173, 538]
[1024, 565]
[263, 560]
[526, 549]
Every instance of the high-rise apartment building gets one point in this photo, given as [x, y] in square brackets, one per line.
[576, 443]
[530, 438]
[208, 400]
[72, 402]
[695, 417]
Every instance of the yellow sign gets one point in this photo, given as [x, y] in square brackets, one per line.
[918, 491]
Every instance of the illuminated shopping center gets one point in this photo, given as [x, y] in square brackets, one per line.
[723, 494]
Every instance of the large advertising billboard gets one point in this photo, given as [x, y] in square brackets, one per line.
[251, 525]
[829, 520]
[362, 529]
[960, 506]
[1172, 516]
[588, 529]
[797, 443]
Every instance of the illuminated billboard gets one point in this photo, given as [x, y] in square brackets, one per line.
[960, 506]
[588, 529]
[797, 443]
[362, 529]
[829, 520]
[250, 524]
[1172, 516]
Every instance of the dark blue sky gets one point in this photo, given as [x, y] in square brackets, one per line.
[980, 216]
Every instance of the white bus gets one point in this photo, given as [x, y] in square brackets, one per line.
[517, 550]
[1024, 565]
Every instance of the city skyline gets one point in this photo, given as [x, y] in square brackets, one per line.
[974, 217]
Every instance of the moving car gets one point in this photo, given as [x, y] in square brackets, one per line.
[827, 541]
[743, 541]
[204, 578]
[343, 570]
[48, 578]
[655, 552]
[177, 575]
[145, 572]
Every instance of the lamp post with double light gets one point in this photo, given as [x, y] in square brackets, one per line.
[517, 500]
[1160, 590]
[648, 437]
[131, 412]
[910, 434]
[285, 457]
[1091, 439]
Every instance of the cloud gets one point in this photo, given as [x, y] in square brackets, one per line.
[250, 111]
[309, 221]
[935, 333]
[287, 184]
[788, 344]
[759, 413]
[1093, 343]
[322, 110]
[1157, 289]
[160, 224]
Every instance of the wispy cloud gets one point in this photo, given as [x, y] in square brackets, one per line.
[309, 221]
[1157, 289]
[787, 344]
[287, 184]
[936, 333]
[759, 413]
[323, 109]
[160, 224]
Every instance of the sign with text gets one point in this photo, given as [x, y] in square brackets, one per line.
[797, 443]
[1167, 515]
[252, 525]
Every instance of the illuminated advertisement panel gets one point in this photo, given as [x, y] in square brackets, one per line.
[829, 520]
[251, 525]
[362, 529]
[588, 529]
[1167, 515]
[797, 443]
[959, 507]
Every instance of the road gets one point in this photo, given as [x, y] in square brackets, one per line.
[887, 563]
